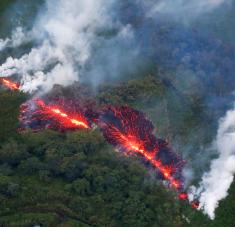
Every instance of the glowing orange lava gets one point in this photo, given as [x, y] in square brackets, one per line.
[183, 196]
[10, 84]
[62, 117]
[195, 204]
[125, 128]
[131, 143]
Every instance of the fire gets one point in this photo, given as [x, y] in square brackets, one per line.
[131, 143]
[63, 118]
[131, 132]
[195, 204]
[123, 127]
[183, 196]
[10, 84]
[37, 115]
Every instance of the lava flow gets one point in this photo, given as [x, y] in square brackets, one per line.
[195, 204]
[123, 127]
[62, 117]
[10, 84]
[131, 132]
[38, 115]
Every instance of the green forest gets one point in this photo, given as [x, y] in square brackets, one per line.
[77, 179]
[182, 80]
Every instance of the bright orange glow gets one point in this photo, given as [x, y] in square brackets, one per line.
[124, 128]
[63, 118]
[10, 84]
[130, 142]
[195, 204]
[183, 196]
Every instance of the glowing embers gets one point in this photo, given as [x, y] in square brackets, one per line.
[130, 131]
[58, 114]
[123, 127]
[71, 120]
[195, 204]
[10, 84]
[183, 196]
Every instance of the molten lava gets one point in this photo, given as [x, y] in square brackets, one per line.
[195, 204]
[10, 84]
[131, 132]
[123, 127]
[183, 196]
[37, 115]
[63, 118]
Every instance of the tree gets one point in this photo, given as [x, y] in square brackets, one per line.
[9, 111]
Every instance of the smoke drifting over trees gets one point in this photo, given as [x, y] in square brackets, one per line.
[215, 183]
[98, 41]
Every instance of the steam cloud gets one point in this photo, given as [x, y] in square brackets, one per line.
[185, 8]
[215, 184]
[18, 37]
[67, 35]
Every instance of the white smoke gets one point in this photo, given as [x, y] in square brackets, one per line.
[215, 184]
[66, 34]
[186, 9]
[3, 43]
[17, 38]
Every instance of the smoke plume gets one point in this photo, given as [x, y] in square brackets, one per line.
[17, 38]
[215, 183]
[99, 39]
[65, 37]
[184, 9]
[86, 38]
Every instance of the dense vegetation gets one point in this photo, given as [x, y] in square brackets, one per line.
[77, 179]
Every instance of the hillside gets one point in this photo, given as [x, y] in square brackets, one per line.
[76, 179]
[180, 74]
